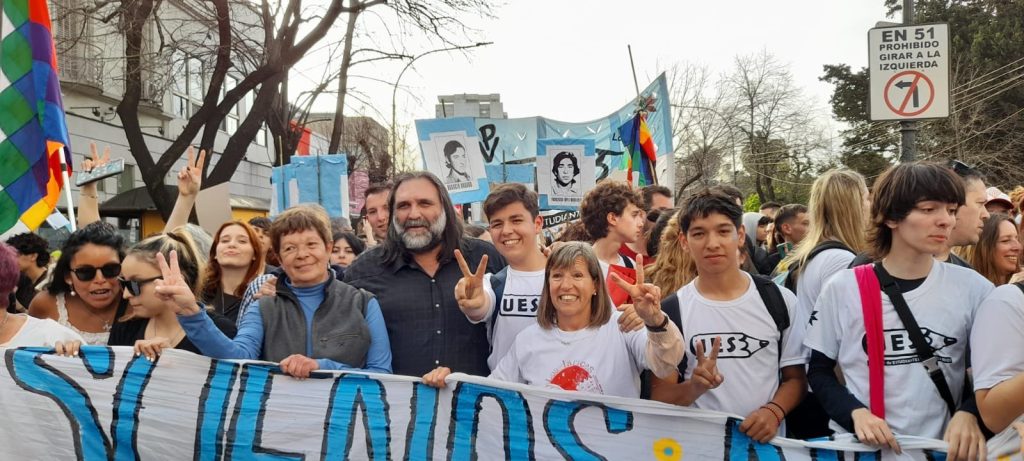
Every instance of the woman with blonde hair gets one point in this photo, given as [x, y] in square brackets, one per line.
[673, 267]
[155, 325]
[839, 207]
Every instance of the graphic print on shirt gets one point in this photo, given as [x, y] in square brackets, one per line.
[734, 345]
[576, 376]
[900, 350]
[515, 305]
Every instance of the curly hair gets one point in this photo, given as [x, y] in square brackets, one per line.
[30, 243]
[607, 197]
[98, 233]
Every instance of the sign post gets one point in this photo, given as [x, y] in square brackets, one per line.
[909, 74]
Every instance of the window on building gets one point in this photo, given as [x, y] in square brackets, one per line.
[126, 180]
[230, 122]
[485, 109]
[187, 87]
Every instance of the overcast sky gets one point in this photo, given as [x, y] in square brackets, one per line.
[568, 60]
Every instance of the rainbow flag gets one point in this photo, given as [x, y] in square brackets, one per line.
[33, 131]
[640, 155]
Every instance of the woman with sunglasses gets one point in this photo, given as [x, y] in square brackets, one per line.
[84, 294]
[155, 326]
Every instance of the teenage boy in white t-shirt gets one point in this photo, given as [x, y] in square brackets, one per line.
[753, 368]
[514, 222]
[612, 216]
[912, 216]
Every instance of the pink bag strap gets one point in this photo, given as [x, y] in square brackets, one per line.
[871, 305]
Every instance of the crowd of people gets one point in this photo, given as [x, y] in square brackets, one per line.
[881, 311]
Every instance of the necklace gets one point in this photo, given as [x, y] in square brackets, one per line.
[107, 324]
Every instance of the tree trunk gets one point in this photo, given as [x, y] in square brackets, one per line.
[239, 143]
[346, 59]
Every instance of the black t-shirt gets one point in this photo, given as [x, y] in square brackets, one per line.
[126, 333]
[27, 289]
[226, 305]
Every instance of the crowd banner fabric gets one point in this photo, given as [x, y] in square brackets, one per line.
[504, 141]
[33, 131]
[565, 172]
[321, 179]
[451, 150]
[109, 404]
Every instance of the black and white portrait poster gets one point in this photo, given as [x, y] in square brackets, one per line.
[565, 172]
[451, 150]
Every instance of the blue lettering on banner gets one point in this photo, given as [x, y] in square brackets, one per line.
[351, 391]
[213, 404]
[420, 437]
[558, 423]
[246, 431]
[867, 456]
[517, 425]
[127, 403]
[818, 454]
[932, 455]
[99, 361]
[740, 447]
[31, 373]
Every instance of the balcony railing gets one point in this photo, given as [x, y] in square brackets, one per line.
[81, 70]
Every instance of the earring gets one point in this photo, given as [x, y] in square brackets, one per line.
[72, 292]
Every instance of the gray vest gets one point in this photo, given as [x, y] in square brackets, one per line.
[339, 324]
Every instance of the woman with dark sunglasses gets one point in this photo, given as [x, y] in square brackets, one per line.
[84, 294]
[155, 325]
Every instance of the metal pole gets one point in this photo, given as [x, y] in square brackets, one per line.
[908, 129]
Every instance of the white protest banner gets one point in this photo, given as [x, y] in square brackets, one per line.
[109, 404]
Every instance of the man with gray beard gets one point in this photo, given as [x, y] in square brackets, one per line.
[413, 273]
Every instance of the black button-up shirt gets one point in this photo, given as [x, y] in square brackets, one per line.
[424, 322]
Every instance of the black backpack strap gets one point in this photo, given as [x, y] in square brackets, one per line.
[498, 287]
[776, 305]
[790, 282]
[1020, 285]
[627, 262]
[924, 350]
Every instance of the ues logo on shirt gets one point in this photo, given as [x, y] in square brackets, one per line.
[734, 345]
[513, 305]
[900, 350]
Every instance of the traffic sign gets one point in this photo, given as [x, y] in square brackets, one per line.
[909, 72]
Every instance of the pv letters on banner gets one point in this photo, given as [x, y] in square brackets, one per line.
[109, 404]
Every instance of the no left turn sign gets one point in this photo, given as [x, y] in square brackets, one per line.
[909, 93]
[909, 72]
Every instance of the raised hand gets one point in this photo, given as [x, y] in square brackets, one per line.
[646, 297]
[469, 291]
[872, 430]
[190, 178]
[96, 160]
[368, 233]
[172, 288]
[705, 374]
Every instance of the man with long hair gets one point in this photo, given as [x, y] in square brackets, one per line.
[413, 273]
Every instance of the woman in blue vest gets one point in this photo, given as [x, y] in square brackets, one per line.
[315, 322]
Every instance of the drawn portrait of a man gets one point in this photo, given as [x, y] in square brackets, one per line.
[456, 161]
[565, 172]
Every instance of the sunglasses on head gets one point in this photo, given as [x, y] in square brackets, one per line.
[960, 168]
[135, 286]
[87, 273]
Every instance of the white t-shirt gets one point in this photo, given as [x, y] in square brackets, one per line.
[812, 279]
[997, 338]
[599, 360]
[519, 304]
[944, 307]
[749, 359]
[41, 332]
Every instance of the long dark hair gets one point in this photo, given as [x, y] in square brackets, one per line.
[97, 233]
[451, 239]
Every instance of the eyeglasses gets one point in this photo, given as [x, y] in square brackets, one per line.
[87, 273]
[135, 286]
